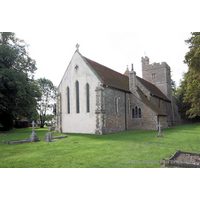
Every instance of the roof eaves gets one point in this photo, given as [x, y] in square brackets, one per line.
[117, 88]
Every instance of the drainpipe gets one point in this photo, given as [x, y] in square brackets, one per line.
[125, 113]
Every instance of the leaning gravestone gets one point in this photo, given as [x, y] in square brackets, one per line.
[33, 137]
[48, 137]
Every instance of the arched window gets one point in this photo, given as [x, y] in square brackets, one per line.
[140, 115]
[77, 97]
[116, 105]
[136, 112]
[133, 113]
[68, 101]
[128, 105]
[88, 97]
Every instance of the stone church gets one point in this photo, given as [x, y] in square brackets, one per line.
[95, 99]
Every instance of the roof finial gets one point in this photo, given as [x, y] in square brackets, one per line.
[77, 46]
[132, 68]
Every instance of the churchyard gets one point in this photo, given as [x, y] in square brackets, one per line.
[127, 149]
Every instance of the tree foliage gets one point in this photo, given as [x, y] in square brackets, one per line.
[183, 106]
[174, 88]
[191, 81]
[18, 90]
[47, 99]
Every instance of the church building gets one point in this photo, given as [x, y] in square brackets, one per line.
[95, 99]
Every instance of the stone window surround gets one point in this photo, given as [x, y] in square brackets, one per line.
[116, 104]
[138, 114]
[129, 106]
[77, 97]
[87, 97]
[76, 68]
[153, 76]
[68, 100]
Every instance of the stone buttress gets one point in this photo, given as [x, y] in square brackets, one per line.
[58, 128]
[100, 111]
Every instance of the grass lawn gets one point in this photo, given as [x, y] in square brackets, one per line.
[127, 149]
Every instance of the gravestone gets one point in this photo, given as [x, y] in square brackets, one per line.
[159, 128]
[48, 137]
[53, 127]
[33, 137]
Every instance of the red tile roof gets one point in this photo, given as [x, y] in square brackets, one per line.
[109, 76]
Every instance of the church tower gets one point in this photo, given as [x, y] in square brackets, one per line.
[158, 74]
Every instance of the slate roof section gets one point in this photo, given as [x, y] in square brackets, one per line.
[153, 89]
[109, 76]
[147, 102]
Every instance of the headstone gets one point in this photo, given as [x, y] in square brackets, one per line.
[33, 137]
[48, 137]
[159, 128]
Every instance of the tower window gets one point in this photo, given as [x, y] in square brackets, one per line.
[153, 76]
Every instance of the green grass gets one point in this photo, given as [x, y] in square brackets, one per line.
[118, 150]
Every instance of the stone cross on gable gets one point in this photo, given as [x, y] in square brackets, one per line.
[77, 46]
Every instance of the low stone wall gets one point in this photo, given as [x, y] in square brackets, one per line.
[183, 159]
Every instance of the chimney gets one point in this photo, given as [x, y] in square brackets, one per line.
[132, 80]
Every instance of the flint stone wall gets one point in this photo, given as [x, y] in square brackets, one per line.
[115, 121]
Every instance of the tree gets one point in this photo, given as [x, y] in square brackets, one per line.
[18, 90]
[192, 77]
[183, 107]
[47, 99]
[174, 89]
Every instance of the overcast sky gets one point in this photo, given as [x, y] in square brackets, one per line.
[54, 50]
[112, 33]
